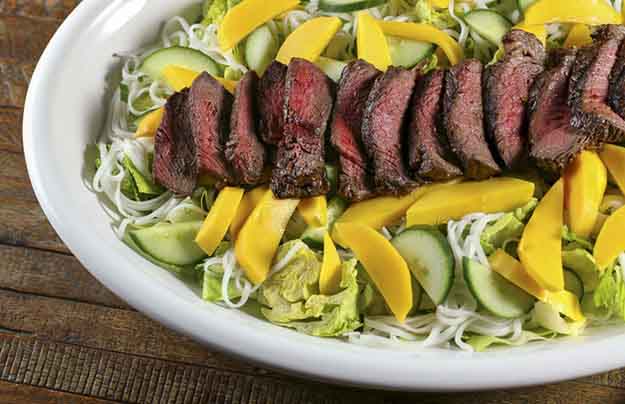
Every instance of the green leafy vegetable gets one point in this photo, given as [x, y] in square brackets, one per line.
[495, 235]
[215, 10]
[144, 185]
[546, 316]
[213, 275]
[481, 342]
[610, 293]
[370, 302]
[573, 241]
[441, 19]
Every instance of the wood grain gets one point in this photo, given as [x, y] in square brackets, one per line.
[14, 79]
[13, 393]
[10, 130]
[55, 9]
[23, 39]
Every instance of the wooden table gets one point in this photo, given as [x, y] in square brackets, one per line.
[66, 339]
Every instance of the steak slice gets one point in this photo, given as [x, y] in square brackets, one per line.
[382, 127]
[244, 151]
[616, 93]
[429, 156]
[299, 171]
[463, 119]
[553, 141]
[209, 108]
[175, 157]
[506, 88]
[270, 95]
[356, 82]
[589, 85]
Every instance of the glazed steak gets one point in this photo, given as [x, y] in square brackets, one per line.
[354, 86]
[589, 85]
[270, 96]
[299, 171]
[463, 119]
[175, 163]
[429, 156]
[506, 88]
[553, 141]
[244, 151]
[209, 109]
[382, 126]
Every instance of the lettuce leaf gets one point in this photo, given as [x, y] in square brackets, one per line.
[215, 10]
[440, 18]
[573, 241]
[145, 186]
[481, 342]
[546, 316]
[496, 234]
[610, 293]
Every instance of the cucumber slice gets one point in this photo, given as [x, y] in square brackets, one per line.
[489, 24]
[429, 258]
[188, 58]
[573, 283]
[494, 292]
[313, 236]
[260, 49]
[346, 6]
[331, 67]
[524, 4]
[417, 296]
[170, 243]
[407, 53]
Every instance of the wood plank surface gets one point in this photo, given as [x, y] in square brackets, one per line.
[14, 393]
[53, 9]
[11, 130]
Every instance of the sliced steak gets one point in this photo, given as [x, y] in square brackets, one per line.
[270, 96]
[506, 88]
[209, 106]
[356, 82]
[463, 119]
[553, 141]
[616, 94]
[589, 85]
[175, 159]
[382, 130]
[429, 156]
[299, 171]
[244, 151]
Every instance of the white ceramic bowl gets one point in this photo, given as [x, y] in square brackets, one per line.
[65, 110]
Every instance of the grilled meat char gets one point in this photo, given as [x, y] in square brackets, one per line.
[463, 119]
[553, 141]
[354, 86]
[209, 109]
[244, 151]
[589, 86]
[382, 127]
[429, 156]
[506, 88]
[299, 170]
[270, 95]
[616, 93]
[175, 156]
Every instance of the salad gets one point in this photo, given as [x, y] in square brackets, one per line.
[392, 173]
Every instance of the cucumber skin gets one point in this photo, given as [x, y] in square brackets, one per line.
[395, 46]
[259, 63]
[579, 284]
[153, 65]
[480, 31]
[346, 7]
[138, 237]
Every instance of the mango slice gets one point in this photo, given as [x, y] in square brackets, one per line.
[246, 16]
[178, 77]
[260, 236]
[566, 303]
[456, 201]
[578, 36]
[247, 205]
[592, 12]
[385, 210]
[611, 240]
[218, 219]
[150, 123]
[314, 210]
[585, 181]
[330, 275]
[540, 248]
[539, 31]
[309, 40]
[371, 42]
[385, 266]
[614, 159]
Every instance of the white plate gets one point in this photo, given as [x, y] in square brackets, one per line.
[65, 110]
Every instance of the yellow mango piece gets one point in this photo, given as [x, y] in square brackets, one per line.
[371, 42]
[178, 77]
[309, 40]
[442, 4]
[566, 303]
[314, 210]
[260, 236]
[383, 211]
[454, 202]
[540, 248]
[424, 33]
[387, 269]
[247, 205]
[578, 36]
[150, 123]
[511, 269]
[539, 31]
[330, 275]
[585, 181]
[611, 240]
[591, 12]
[219, 219]
[246, 16]
[614, 159]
